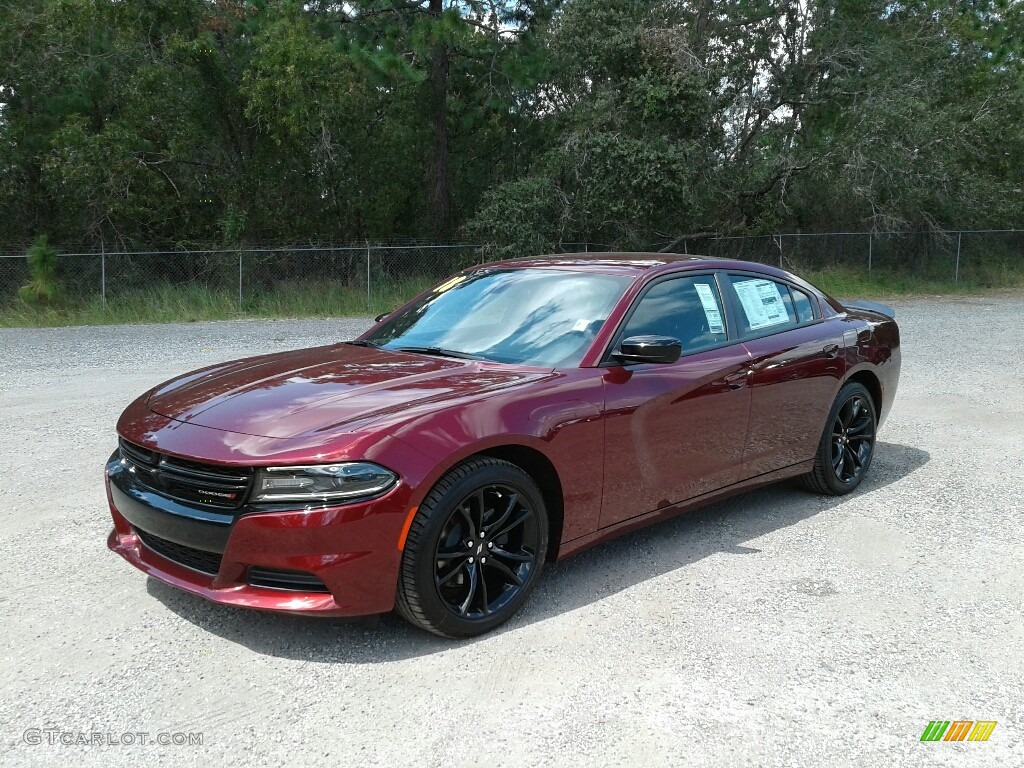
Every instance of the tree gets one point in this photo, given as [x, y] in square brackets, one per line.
[674, 117]
[473, 56]
[917, 124]
[534, 123]
[42, 266]
[677, 117]
[95, 101]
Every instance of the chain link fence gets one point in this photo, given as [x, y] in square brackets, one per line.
[302, 280]
[977, 256]
[361, 279]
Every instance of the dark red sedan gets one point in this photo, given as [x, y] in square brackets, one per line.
[517, 413]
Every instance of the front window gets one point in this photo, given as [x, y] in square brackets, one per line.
[685, 308]
[543, 317]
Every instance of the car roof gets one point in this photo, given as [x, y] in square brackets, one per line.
[630, 263]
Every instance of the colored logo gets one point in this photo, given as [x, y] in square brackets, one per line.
[958, 730]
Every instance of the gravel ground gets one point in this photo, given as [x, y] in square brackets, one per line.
[778, 628]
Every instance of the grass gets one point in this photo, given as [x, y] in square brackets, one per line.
[192, 303]
[846, 283]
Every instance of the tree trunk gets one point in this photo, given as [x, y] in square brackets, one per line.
[438, 165]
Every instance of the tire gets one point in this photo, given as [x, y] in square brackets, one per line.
[847, 444]
[474, 550]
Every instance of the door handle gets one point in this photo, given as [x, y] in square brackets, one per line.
[831, 350]
[737, 380]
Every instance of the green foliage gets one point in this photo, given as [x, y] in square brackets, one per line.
[233, 224]
[657, 130]
[37, 291]
[174, 303]
[919, 127]
[165, 303]
[43, 287]
[519, 219]
[850, 283]
[676, 117]
[524, 123]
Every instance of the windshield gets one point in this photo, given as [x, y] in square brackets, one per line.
[543, 317]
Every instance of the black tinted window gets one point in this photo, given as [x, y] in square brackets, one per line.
[686, 308]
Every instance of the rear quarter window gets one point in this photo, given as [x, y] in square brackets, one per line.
[802, 305]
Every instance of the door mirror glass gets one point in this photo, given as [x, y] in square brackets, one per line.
[649, 349]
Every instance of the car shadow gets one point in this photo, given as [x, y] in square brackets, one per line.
[720, 528]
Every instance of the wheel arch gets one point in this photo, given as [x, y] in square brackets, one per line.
[525, 451]
[871, 382]
[539, 467]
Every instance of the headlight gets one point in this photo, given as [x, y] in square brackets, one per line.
[327, 482]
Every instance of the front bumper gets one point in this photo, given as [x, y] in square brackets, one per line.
[352, 549]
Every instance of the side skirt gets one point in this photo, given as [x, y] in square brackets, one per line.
[602, 535]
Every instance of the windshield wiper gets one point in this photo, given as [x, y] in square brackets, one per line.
[440, 352]
[361, 344]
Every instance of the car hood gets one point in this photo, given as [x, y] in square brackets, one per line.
[324, 389]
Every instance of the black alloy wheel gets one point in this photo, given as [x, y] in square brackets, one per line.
[847, 444]
[474, 550]
[486, 550]
[853, 439]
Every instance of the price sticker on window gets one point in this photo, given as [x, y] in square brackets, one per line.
[762, 303]
[711, 309]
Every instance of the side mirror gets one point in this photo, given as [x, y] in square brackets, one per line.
[649, 349]
[381, 316]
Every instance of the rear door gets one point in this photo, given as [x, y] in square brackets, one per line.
[797, 366]
[675, 431]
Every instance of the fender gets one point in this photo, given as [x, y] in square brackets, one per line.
[563, 431]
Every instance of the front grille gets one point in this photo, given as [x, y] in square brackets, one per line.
[208, 485]
[296, 581]
[196, 559]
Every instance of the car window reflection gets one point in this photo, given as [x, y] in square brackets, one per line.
[687, 308]
[533, 317]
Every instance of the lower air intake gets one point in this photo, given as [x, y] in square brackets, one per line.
[295, 581]
[196, 559]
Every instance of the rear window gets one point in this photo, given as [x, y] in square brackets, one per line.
[765, 305]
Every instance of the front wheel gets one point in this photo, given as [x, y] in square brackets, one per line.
[847, 444]
[474, 550]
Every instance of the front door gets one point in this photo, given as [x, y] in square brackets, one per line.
[675, 431]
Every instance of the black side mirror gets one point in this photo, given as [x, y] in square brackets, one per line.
[381, 316]
[649, 349]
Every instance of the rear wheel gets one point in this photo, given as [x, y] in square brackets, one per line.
[847, 444]
[474, 550]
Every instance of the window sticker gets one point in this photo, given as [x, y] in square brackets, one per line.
[762, 303]
[711, 310]
[448, 285]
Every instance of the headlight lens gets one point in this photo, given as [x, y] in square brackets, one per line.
[327, 482]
